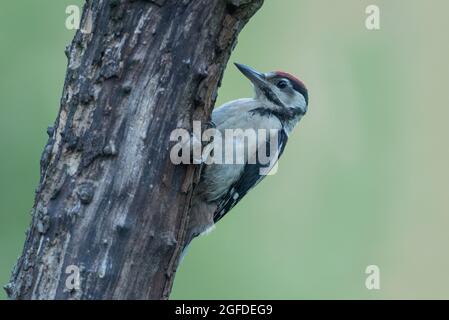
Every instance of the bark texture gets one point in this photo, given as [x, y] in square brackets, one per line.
[110, 203]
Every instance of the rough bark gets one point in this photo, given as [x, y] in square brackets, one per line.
[110, 202]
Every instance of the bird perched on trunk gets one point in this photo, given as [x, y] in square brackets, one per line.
[280, 101]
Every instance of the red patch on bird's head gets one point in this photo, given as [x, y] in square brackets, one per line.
[292, 78]
[297, 84]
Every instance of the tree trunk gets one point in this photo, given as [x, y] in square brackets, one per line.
[110, 203]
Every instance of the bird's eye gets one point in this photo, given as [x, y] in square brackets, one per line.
[282, 84]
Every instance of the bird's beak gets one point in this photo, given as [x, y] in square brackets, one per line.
[257, 78]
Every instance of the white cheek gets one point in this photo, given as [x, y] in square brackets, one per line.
[302, 101]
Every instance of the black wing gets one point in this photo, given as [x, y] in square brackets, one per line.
[250, 178]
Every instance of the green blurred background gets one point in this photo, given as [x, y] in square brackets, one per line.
[365, 177]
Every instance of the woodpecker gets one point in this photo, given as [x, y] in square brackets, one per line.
[280, 101]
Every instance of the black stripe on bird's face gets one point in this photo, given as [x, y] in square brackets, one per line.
[282, 91]
[271, 96]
